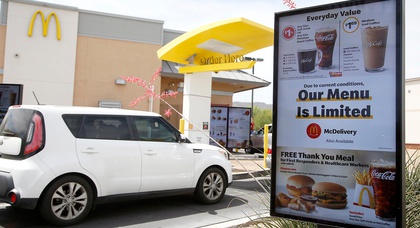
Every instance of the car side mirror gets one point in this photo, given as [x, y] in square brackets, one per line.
[182, 138]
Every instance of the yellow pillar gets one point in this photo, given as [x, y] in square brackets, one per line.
[265, 144]
[181, 125]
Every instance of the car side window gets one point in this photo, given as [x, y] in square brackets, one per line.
[105, 127]
[153, 129]
[73, 122]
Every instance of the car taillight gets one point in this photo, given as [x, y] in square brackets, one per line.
[12, 198]
[269, 151]
[34, 139]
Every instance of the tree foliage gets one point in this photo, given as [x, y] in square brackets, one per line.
[262, 117]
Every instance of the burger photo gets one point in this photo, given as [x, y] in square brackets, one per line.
[298, 185]
[330, 195]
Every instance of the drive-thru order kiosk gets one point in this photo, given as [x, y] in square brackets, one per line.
[338, 143]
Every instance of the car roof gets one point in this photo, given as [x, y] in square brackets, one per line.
[84, 110]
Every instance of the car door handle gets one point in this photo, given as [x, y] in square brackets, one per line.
[149, 152]
[90, 150]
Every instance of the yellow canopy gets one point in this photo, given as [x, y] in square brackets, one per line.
[218, 46]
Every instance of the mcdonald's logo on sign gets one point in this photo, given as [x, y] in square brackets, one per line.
[313, 130]
[45, 23]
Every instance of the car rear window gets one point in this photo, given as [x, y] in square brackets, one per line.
[16, 123]
[29, 126]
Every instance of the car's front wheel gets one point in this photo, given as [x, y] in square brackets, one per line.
[67, 201]
[211, 186]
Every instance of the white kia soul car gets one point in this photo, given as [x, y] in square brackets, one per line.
[64, 160]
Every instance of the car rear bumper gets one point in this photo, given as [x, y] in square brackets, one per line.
[6, 185]
[7, 188]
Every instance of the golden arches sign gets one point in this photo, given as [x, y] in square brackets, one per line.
[313, 130]
[45, 23]
[370, 195]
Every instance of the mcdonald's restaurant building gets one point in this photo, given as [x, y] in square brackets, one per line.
[68, 56]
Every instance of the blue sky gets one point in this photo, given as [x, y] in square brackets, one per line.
[185, 15]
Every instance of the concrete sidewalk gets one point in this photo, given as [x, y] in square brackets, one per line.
[246, 168]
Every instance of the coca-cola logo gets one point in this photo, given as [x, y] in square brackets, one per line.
[307, 60]
[387, 175]
[329, 37]
[377, 43]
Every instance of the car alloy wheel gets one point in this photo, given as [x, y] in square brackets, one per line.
[67, 201]
[212, 186]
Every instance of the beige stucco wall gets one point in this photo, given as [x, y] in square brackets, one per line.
[100, 61]
[221, 100]
[175, 102]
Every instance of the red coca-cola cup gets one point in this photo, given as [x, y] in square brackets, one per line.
[383, 174]
[325, 41]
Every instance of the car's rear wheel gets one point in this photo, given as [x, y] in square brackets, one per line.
[248, 150]
[211, 186]
[257, 150]
[67, 201]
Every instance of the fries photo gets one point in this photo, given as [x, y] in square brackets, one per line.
[362, 178]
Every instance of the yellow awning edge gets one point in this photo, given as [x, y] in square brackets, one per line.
[217, 46]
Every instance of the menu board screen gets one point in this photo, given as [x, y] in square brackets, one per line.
[10, 94]
[230, 126]
[239, 127]
[337, 92]
[219, 125]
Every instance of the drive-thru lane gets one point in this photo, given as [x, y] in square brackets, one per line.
[239, 203]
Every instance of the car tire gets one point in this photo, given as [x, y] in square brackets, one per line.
[211, 186]
[256, 150]
[248, 150]
[67, 201]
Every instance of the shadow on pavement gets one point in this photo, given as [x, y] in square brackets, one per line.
[131, 213]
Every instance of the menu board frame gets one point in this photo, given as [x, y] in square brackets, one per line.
[230, 126]
[301, 141]
[10, 94]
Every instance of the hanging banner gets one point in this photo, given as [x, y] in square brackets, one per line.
[339, 151]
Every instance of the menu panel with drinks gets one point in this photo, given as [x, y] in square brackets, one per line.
[336, 92]
[239, 127]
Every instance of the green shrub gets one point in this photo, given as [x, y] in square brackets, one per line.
[412, 189]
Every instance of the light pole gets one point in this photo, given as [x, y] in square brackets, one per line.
[252, 91]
